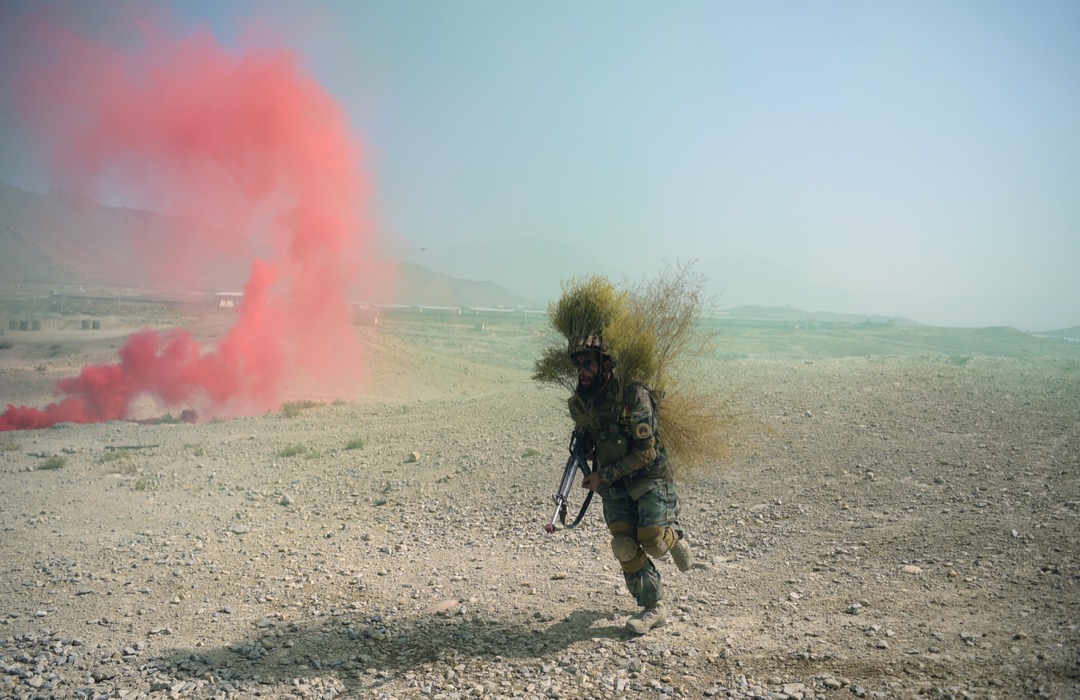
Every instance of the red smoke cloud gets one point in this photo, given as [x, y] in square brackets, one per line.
[245, 143]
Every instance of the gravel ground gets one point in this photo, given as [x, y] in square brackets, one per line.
[887, 527]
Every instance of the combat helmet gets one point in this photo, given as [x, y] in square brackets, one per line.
[594, 342]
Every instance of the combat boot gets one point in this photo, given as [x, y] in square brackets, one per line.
[681, 554]
[653, 616]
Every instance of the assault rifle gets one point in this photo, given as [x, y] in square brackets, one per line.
[575, 462]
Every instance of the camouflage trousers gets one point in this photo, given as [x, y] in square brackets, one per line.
[657, 507]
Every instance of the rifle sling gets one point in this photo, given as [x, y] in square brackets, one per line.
[585, 505]
[581, 513]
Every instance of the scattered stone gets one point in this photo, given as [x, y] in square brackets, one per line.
[450, 590]
[444, 606]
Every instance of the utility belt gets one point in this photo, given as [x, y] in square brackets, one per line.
[647, 478]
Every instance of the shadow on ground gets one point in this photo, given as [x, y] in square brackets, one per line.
[364, 653]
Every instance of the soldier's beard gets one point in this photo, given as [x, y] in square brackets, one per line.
[596, 387]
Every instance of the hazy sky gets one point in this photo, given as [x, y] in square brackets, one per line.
[910, 158]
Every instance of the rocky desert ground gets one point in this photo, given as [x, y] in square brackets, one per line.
[889, 525]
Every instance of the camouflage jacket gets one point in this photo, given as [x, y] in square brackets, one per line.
[621, 425]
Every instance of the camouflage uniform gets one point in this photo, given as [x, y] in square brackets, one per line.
[641, 507]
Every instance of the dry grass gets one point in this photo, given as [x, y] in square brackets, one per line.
[697, 429]
[292, 409]
[54, 462]
[666, 328]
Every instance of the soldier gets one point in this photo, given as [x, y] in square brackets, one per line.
[618, 425]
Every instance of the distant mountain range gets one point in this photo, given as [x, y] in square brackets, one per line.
[418, 285]
[535, 266]
[787, 314]
[1072, 334]
[64, 238]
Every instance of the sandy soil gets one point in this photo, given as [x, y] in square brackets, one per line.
[887, 527]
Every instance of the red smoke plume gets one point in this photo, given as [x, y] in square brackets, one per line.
[246, 144]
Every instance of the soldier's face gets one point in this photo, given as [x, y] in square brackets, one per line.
[587, 365]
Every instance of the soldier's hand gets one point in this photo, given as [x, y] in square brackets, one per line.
[591, 482]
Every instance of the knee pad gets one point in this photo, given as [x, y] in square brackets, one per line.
[623, 544]
[624, 548]
[656, 539]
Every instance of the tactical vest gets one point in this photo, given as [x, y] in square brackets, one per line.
[609, 420]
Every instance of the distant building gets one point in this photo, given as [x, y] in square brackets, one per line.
[228, 300]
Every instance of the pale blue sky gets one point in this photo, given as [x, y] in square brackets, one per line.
[911, 158]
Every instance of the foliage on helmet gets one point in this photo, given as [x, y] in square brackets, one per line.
[643, 328]
[652, 331]
[587, 309]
